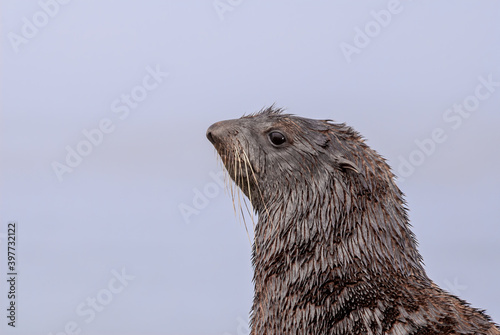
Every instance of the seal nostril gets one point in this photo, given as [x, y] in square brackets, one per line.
[210, 137]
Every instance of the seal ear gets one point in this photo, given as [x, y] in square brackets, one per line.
[346, 164]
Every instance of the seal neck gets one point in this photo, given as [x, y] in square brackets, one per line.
[332, 250]
[346, 222]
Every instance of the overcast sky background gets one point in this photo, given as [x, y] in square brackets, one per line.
[120, 209]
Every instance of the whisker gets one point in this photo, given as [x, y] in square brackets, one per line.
[258, 187]
[236, 166]
[247, 166]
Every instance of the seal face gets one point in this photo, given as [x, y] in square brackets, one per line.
[333, 251]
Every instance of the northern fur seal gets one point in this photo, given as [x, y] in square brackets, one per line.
[333, 251]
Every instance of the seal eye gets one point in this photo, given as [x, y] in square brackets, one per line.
[277, 138]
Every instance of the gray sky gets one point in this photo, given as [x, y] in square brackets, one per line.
[103, 244]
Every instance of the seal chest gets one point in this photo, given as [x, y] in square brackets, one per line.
[333, 251]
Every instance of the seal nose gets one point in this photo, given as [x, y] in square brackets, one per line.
[212, 132]
[209, 136]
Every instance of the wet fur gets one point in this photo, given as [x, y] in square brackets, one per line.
[333, 251]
